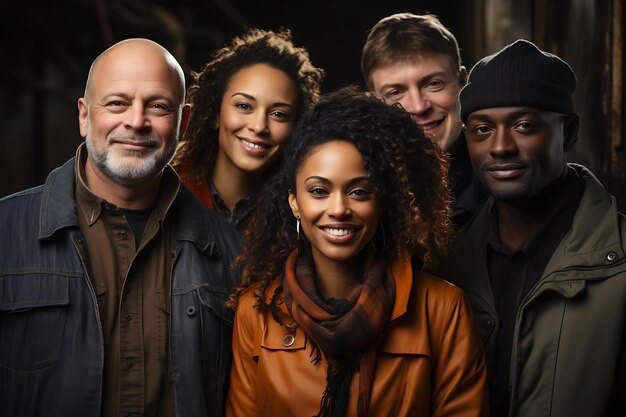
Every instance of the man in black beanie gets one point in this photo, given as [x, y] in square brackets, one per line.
[543, 263]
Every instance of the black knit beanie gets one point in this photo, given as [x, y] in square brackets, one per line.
[519, 75]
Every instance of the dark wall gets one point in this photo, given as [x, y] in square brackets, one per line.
[49, 46]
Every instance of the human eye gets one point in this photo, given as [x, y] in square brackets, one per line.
[159, 108]
[525, 127]
[116, 105]
[480, 131]
[245, 107]
[360, 193]
[280, 115]
[318, 192]
[436, 84]
[393, 95]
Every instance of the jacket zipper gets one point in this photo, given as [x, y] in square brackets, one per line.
[95, 303]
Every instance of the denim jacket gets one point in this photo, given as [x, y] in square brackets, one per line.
[51, 343]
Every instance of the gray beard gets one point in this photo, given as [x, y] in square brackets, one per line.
[125, 174]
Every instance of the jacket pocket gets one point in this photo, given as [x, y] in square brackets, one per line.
[33, 312]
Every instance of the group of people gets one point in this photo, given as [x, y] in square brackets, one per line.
[419, 249]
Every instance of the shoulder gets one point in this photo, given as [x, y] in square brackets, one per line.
[435, 292]
[254, 298]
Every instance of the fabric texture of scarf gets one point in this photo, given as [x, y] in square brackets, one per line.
[345, 330]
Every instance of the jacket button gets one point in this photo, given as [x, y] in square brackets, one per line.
[487, 324]
[611, 256]
[288, 340]
[129, 317]
[191, 311]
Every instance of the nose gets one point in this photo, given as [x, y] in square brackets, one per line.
[258, 122]
[502, 143]
[338, 207]
[136, 117]
[416, 102]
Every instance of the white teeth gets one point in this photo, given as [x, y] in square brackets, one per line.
[255, 145]
[337, 232]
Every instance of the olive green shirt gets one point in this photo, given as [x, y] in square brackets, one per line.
[132, 286]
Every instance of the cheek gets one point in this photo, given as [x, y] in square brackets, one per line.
[165, 128]
[447, 99]
[229, 120]
[476, 152]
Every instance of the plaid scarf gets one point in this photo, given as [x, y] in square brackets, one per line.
[345, 330]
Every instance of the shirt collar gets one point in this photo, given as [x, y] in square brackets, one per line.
[240, 211]
[90, 205]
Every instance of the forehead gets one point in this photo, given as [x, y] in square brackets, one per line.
[420, 65]
[136, 71]
[262, 80]
[337, 158]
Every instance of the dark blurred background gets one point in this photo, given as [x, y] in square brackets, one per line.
[47, 48]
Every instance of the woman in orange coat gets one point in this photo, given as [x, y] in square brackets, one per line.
[244, 102]
[332, 317]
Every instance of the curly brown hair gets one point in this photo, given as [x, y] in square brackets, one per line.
[408, 171]
[198, 148]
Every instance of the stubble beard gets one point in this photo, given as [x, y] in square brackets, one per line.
[140, 167]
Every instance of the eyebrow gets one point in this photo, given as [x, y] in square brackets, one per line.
[129, 98]
[252, 98]
[421, 80]
[326, 180]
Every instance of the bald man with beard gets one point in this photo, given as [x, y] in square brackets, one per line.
[113, 276]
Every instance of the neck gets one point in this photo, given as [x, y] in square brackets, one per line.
[517, 224]
[233, 183]
[334, 279]
[518, 221]
[138, 196]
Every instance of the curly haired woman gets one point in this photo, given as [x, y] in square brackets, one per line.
[245, 101]
[332, 317]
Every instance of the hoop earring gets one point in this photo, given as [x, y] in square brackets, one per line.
[298, 228]
[373, 244]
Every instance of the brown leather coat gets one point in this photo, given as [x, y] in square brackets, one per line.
[430, 361]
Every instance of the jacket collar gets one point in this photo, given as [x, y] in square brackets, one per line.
[588, 251]
[402, 273]
[57, 211]
[595, 239]
[195, 223]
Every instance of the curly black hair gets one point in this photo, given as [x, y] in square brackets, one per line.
[198, 148]
[408, 171]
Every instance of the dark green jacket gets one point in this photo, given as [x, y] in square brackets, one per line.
[568, 357]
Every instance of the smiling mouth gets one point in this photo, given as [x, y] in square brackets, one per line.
[137, 145]
[427, 128]
[338, 232]
[252, 145]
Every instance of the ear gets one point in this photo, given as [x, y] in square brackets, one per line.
[83, 116]
[293, 203]
[462, 75]
[570, 132]
[184, 119]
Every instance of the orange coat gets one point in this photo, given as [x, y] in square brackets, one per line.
[430, 361]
